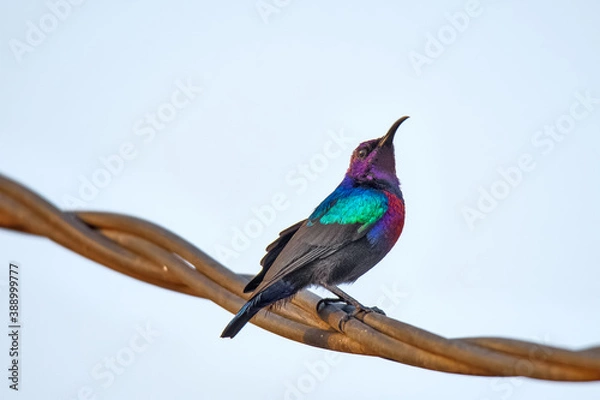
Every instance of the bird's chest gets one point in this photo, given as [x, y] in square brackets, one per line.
[388, 229]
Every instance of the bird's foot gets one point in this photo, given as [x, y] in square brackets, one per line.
[360, 308]
[374, 309]
[357, 308]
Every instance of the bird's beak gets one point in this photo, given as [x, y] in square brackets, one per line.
[389, 137]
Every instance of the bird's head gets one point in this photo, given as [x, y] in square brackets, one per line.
[373, 163]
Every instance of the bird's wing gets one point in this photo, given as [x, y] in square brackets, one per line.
[337, 222]
[273, 251]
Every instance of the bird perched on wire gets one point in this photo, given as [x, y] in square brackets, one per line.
[345, 236]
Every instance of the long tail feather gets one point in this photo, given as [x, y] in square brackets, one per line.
[270, 295]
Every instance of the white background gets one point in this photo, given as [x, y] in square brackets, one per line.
[274, 87]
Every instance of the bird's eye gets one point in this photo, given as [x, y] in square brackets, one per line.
[362, 153]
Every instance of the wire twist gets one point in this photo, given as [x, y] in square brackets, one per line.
[150, 253]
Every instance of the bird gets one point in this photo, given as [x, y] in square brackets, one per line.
[344, 237]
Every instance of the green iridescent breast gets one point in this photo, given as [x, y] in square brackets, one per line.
[358, 206]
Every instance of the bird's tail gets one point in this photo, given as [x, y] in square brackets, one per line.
[270, 295]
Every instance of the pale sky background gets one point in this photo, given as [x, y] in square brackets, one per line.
[275, 87]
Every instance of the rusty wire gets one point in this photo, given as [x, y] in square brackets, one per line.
[152, 254]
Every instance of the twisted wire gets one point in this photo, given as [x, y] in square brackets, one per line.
[150, 253]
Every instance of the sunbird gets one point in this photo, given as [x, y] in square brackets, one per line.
[344, 237]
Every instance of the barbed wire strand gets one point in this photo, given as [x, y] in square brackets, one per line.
[150, 253]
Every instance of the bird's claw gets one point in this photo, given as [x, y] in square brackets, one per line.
[374, 309]
[345, 319]
[357, 309]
